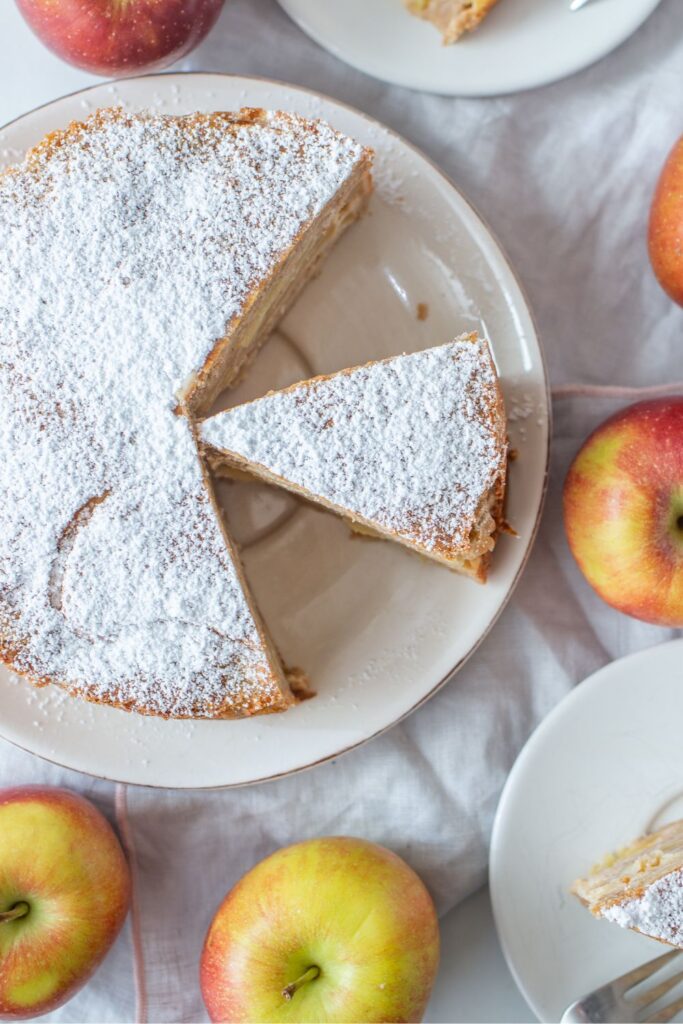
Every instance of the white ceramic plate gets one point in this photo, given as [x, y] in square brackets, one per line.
[603, 768]
[377, 628]
[522, 43]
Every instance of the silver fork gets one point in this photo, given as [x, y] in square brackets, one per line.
[610, 1003]
[576, 5]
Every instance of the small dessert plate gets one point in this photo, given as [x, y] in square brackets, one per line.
[376, 628]
[605, 766]
[521, 44]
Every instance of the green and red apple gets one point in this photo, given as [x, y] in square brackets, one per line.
[333, 929]
[64, 895]
[120, 37]
[665, 237]
[623, 511]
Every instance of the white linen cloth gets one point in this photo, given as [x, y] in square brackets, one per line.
[564, 176]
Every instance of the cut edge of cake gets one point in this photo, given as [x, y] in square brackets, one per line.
[453, 18]
[232, 355]
[270, 300]
[640, 886]
[471, 557]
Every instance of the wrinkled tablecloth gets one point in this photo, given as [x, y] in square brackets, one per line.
[564, 176]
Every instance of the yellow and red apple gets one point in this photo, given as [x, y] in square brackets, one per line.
[665, 236]
[64, 895]
[333, 929]
[623, 511]
[120, 37]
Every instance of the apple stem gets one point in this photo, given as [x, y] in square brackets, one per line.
[310, 975]
[17, 911]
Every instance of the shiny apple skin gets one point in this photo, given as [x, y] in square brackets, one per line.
[121, 37]
[665, 233]
[352, 908]
[623, 511]
[61, 856]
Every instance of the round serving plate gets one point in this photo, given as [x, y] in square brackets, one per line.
[521, 44]
[604, 767]
[376, 628]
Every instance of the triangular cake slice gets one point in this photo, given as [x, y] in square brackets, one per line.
[641, 886]
[143, 259]
[453, 18]
[412, 448]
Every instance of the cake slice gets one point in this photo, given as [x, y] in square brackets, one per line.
[453, 18]
[641, 886]
[412, 449]
[143, 260]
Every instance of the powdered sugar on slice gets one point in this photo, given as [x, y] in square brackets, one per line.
[125, 250]
[413, 444]
[658, 912]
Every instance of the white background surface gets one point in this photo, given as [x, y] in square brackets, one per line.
[564, 176]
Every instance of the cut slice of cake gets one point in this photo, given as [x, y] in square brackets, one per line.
[143, 260]
[641, 886]
[412, 448]
[453, 18]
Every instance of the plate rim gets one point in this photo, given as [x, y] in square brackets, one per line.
[580, 692]
[407, 82]
[533, 533]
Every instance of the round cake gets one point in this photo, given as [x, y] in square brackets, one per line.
[143, 259]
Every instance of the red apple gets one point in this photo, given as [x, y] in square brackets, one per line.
[623, 511]
[665, 235]
[332, 929]
[64, 895]
[120, 37]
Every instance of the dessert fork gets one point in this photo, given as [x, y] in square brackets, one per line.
[610, 1003]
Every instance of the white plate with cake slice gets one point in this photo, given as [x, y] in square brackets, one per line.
[519, 44]
[604, 768]
[376, 628]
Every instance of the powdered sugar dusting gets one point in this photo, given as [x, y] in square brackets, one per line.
[125, 249]
[658, 912]
[413, 444]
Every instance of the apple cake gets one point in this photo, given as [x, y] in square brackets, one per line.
[641, 886]
[412, 448]
[143, 260]
[453, 18]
